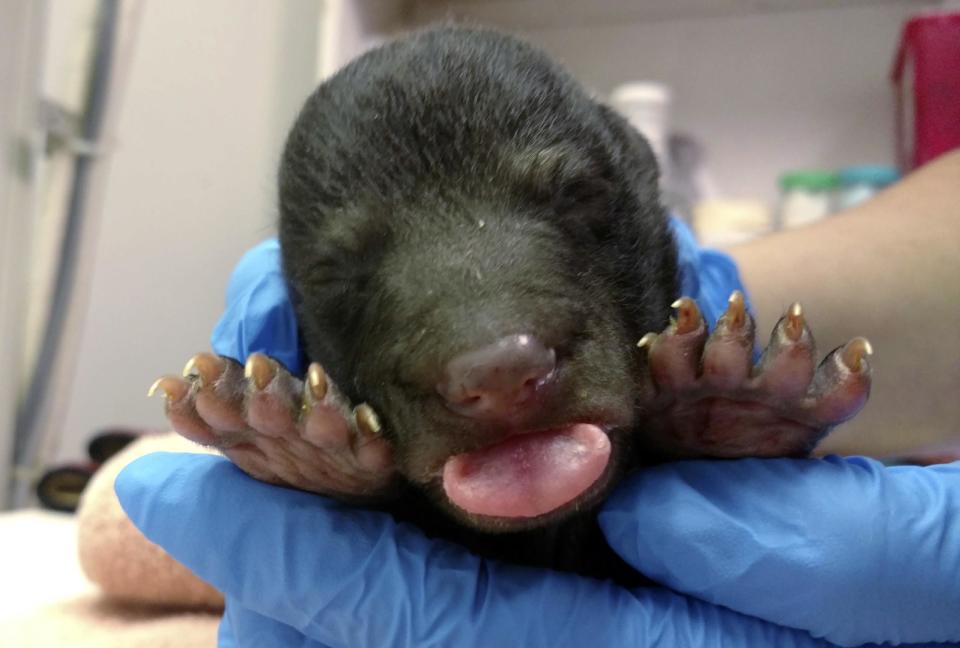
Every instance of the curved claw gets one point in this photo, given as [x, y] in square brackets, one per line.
[259, 370]
[736, 314]
[855, 352]
[205, 366]
[688, 315]
[317, 381]
[367, 420]
[795, 322]
[172, 388]
[647, 341]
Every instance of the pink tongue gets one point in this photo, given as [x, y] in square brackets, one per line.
[529, 474]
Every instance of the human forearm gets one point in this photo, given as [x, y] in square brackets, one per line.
[889, 270]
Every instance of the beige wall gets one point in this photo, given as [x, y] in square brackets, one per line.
[21, 22]
[764, 92]
[212, 89]
[765, 86]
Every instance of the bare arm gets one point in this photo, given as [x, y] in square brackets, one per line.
[889, 270]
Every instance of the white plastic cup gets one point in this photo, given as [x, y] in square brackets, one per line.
[646, 105]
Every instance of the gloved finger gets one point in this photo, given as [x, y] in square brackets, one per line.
[846, 549]
[259, 316]
[242, 627]
[356, 578]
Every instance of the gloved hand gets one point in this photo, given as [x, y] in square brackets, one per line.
[298, 569]
[845, 548]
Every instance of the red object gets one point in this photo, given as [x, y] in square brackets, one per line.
[926, 73]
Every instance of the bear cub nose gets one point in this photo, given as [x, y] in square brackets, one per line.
[496, 380]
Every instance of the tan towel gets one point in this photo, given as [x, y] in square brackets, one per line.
[118, 558]
[91, 621]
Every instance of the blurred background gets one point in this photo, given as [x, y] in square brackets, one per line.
[141, 139]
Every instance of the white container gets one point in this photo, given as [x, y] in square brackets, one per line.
[806, 197]
[646, 105]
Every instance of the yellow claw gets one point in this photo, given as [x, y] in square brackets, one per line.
[735, 316]
[317, 381]
[855, 351]
[154, 387]
[205, 366]
[173, 389]
[259, 369]
[688, 315]
[367, 419]
[189, 367]
[647, 340]
[795, 322]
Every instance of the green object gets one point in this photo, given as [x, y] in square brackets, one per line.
[809, 180]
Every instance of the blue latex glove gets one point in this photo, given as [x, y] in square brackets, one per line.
[846, 548]
[259, 317]
[298, 569]
[707, 276]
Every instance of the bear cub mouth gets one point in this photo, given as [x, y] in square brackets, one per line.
[528, 474]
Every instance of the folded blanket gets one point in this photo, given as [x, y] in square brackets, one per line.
[90, 621]
[117, 557]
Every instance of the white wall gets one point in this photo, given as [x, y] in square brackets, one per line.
[212, 91]
[21, 23]
[766, 86]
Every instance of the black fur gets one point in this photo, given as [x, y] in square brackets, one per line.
[454, 187]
